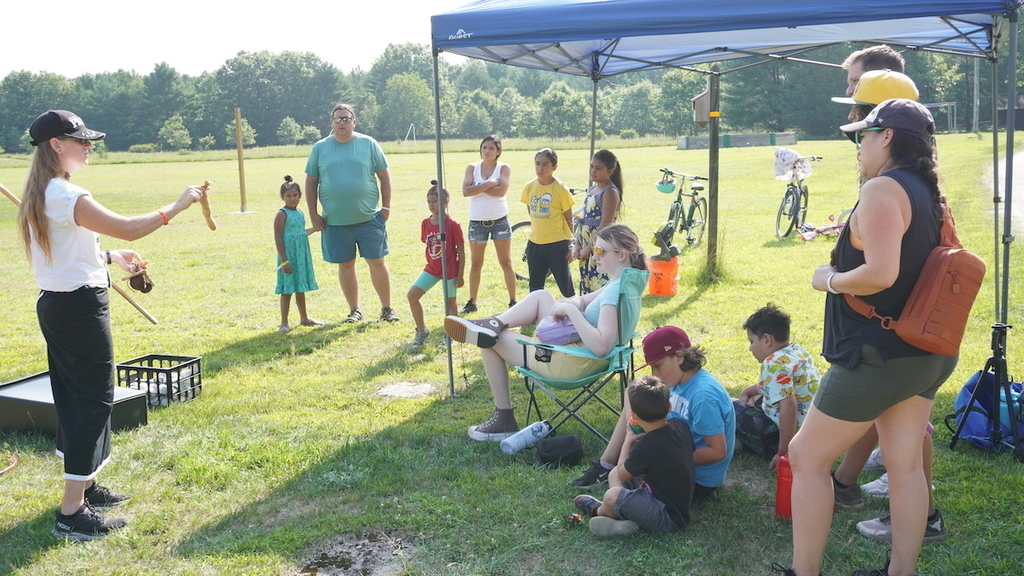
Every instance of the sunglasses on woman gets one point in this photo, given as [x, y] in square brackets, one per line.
[598, 251]
[857, 134]
[344, 119]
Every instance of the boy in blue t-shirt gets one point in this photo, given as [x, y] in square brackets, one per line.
[653, 489]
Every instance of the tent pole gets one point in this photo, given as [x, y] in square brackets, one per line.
[997, 197]
[1011, 107]
[712, 257]
[593, 122]
[441, 199]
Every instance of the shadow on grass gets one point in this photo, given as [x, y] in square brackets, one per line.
[33, 540]
[270, 346]
[670, 316]
[422, 480]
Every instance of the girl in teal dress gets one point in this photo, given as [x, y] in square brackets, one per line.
[295, 264]
[600, 209]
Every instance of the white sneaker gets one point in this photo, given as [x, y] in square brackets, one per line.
[879, 488]
[875, 460]
[609, 527]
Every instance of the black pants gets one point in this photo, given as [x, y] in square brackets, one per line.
[545, 259]
[80, 353]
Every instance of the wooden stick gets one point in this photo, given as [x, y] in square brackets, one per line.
[133, 303]
[12, 197]
[120, 290]
[205, 201]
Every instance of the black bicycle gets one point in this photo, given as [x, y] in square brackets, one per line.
[690, 219]
[793, 210]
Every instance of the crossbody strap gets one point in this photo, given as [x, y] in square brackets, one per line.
[947, 237]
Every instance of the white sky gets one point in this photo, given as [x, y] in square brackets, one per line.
[196, 36]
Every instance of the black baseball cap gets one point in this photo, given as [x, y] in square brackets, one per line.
[899, 114]
[57, 123]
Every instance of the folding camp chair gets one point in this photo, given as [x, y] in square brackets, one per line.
[620, 363]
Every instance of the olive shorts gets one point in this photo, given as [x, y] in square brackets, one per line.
[862, 394]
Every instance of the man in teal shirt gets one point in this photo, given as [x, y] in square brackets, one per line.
[342, 173]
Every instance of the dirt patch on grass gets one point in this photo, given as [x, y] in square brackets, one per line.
[374, 553]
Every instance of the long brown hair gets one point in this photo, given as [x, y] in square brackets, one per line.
[45, 166]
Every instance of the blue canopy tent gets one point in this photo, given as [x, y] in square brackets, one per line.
[603, 38]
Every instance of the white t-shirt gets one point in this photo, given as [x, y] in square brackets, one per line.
[75, 259]
[484, 206]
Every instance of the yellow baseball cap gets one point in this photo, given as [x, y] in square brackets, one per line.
[877, 86]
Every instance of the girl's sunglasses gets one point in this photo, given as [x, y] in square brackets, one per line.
[856, 135]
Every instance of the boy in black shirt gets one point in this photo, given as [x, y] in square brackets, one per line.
[653, 489]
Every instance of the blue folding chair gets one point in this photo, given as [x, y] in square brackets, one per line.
[620, 363]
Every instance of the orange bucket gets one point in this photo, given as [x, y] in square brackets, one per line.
[664, 277]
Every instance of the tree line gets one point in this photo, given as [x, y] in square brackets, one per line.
[285, 99]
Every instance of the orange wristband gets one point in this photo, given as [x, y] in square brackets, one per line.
[163, 216]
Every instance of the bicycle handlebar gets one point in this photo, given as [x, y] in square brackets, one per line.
[668, 173]
[809, 158]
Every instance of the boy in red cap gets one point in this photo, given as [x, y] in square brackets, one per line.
[696, 398]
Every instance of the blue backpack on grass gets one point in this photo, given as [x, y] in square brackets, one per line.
[976, 431]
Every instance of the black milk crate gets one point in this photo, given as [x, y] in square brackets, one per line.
[164, 378]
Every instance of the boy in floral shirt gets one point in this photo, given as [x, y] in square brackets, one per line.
[783, 393]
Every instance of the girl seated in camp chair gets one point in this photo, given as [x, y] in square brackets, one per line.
[593, 315]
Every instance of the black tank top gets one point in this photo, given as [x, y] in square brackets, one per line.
[845, 329]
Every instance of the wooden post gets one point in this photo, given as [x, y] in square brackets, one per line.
[241, 160]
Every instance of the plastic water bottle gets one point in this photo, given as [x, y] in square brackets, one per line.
[526, 437]
[784, 489]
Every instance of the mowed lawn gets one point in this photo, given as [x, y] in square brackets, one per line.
[290, 445]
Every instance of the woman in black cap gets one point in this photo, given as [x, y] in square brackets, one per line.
[875, 377]
[60, 223]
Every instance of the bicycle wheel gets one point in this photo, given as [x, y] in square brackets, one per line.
[786, 217]
[520, 236]
[698, 220]
[801, 214]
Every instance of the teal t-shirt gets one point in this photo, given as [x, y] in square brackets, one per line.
[348, 178]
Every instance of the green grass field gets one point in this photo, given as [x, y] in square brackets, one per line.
[289, 445]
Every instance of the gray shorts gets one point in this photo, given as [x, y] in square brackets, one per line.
[862, 394]
[640, 506]
[484, 230]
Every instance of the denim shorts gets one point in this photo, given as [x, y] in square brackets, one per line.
[862, 394]
[339, 242]
[484, 230]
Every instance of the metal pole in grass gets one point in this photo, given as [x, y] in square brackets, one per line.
[150, 317]
[441, 197]
[241, 159]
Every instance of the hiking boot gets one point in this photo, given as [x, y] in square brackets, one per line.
[86, 524]
[595, 477]
[469, 308]
[102, 497]
[875, 460]
[354, 316]
[587, 505]
[880, 529]
[483, 332]
[420, 338]
[501, 425]
[608, 527]
[387, 314]
[847, 496]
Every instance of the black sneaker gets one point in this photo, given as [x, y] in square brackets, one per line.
[102, 497]
[776, 567]
[354, 316]
[86, 524]
[512, 302]
[387, 314]
[595, 477]
[587, 505]
[847, 496]
[469, 308]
